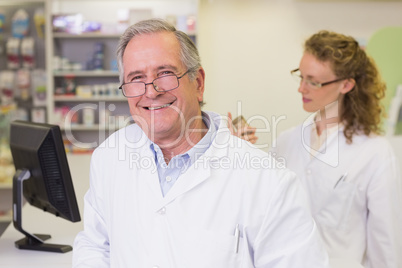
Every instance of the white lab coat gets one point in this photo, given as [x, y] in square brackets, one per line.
[359, 219]
[128, 223]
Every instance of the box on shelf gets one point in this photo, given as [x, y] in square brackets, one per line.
[38, 115]
[67, 23]
[88, 117]
[84, 91]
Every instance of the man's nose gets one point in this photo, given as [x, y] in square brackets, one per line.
[151, 92]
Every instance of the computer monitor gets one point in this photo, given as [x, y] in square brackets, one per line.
[42, 177]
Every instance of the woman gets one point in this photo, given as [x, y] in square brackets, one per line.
[348, 169]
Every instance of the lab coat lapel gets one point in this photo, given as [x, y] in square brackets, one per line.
[187, 181]
[328, 153]
[305, 141]
[201, 169]
[149, 178]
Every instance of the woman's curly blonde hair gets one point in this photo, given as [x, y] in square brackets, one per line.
[362, 111]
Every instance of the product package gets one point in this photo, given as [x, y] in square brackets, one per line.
[40, 20]
[84, 91]
[20, 24]
[38, 115]
[88, 117]
[2, 21]
[13, 53]
[7, 84]
[28, 52]
[39, 87]
[68, 23]
[69, 85]
[23, 84]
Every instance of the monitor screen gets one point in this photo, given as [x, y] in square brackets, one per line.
[42, 177]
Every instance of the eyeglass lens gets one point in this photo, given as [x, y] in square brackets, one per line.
[164, 83]
[297, 76]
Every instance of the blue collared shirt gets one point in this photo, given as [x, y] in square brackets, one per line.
[169, 174]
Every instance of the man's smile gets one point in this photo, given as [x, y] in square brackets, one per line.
[158, 107]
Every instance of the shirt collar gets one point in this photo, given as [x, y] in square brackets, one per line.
[199, 149]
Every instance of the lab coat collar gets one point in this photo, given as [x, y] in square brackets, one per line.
[195, 174]
[328, 153]
[201, 169]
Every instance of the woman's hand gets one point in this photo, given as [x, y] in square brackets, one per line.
[242, 130]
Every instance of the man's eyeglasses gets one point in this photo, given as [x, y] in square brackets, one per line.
[311, 84]
[160, 84]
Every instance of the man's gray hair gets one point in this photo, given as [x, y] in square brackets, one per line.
[188, 51]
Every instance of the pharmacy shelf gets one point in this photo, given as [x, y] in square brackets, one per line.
[89, 99]
[96, 73]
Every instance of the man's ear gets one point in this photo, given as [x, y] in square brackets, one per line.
[348, 85]
[200, 81]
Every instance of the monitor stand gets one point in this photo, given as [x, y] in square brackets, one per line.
[31, 241]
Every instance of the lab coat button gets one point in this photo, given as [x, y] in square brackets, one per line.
[155, 266]
[308, 171]
[162, 211]
[168, 179]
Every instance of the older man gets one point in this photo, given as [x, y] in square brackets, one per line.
[176, 189]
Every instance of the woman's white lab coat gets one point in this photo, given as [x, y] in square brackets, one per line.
[128, 223]
[358, 215]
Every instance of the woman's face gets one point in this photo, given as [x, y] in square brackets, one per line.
[316, 98]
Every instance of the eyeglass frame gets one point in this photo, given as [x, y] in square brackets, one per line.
[153, 85]
[318, 85]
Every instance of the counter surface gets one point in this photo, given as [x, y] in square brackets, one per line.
[62, 232]
[38, 222]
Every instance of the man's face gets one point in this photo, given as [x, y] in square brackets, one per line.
[161, 115]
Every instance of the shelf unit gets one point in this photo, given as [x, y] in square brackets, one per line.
[110, 104]
[87, 99]
[97, 73]
[26, 104]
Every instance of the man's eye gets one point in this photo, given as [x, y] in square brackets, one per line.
[166, 73]
[136, 79]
